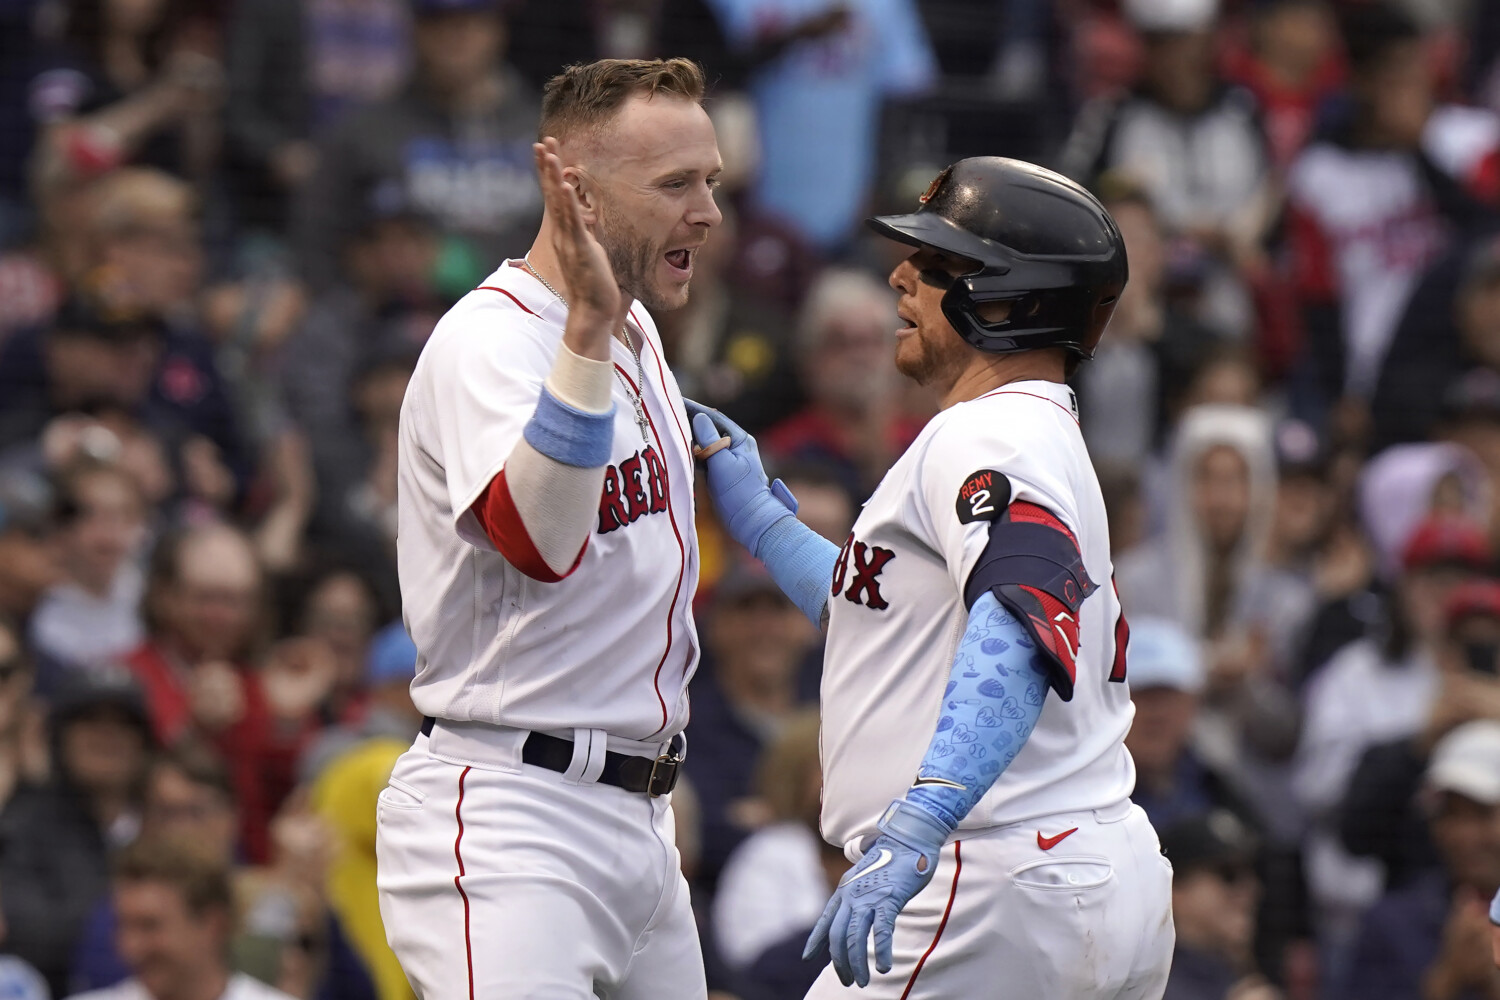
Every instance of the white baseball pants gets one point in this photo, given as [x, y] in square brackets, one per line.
[1003, 919]
[503, 881]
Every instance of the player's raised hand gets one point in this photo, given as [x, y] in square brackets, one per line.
[590, 281]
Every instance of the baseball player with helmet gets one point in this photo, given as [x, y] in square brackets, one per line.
[974, 704]
[548, 562]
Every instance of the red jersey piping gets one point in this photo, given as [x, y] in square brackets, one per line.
[672, 518]
[958, 866]
[458, 814]
[492, 288]
[1018, 392]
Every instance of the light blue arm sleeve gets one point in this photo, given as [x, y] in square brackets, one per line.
[801, 562]
[993, 700]
[1495, 910]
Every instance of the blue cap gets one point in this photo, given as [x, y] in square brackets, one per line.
[392, 657]
[1161, 654]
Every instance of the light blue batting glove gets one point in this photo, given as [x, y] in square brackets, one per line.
[746, 502]
[898, 865]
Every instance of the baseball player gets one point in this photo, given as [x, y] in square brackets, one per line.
[974, 710]
[547, 562]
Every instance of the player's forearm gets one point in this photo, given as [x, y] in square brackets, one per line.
[588, 332]
[993, 700]
[539, 511]
[761, 515]
[556, 505]
[801, 562]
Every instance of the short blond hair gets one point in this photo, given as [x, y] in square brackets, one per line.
[585, 96]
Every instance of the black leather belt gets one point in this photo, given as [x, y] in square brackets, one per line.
[655, 777]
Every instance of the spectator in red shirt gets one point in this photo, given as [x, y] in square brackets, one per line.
[204, 611]
[1291, 65]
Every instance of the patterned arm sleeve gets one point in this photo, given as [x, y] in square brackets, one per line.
[992, 702]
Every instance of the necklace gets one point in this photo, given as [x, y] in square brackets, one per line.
[636, 397]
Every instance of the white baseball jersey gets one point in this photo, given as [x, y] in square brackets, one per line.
[897, 613]
[612, 645]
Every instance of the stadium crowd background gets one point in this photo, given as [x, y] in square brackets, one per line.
[227, 227]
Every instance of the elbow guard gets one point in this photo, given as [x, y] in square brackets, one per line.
[1033, 567]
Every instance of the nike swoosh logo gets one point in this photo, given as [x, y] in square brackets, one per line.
[1047, 843]
[1072, 653]
[939, 781]
[880, 862]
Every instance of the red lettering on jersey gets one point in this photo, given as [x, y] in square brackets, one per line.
[1122, 639]
[628, 496]
[631, 487]
[656, 478]
[866, 571]
[611, 506]
[841, 565]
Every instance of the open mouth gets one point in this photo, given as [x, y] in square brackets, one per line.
[680, 260]
[907, 326]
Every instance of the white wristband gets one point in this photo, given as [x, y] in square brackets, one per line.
[582, 383]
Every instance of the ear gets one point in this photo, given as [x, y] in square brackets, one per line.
[588, 192]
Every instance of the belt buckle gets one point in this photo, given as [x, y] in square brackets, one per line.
[664, 779]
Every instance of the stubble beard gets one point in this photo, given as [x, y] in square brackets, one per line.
[928, 363]
[633, 260]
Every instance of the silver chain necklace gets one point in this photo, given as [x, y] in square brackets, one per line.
[636, 397]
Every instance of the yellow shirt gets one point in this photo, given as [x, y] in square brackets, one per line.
[344, 796]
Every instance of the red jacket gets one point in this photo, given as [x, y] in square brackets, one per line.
[261, 751]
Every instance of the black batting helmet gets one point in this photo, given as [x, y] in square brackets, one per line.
[1036, 238]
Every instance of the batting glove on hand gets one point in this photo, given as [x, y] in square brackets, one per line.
[746, 502]
[898, 865]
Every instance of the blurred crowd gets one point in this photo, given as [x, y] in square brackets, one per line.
[228, 226]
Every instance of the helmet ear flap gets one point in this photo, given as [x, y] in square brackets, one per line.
[1099, 319]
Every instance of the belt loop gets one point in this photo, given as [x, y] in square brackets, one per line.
[588, 756]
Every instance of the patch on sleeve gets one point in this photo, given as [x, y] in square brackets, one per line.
[983, 496]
